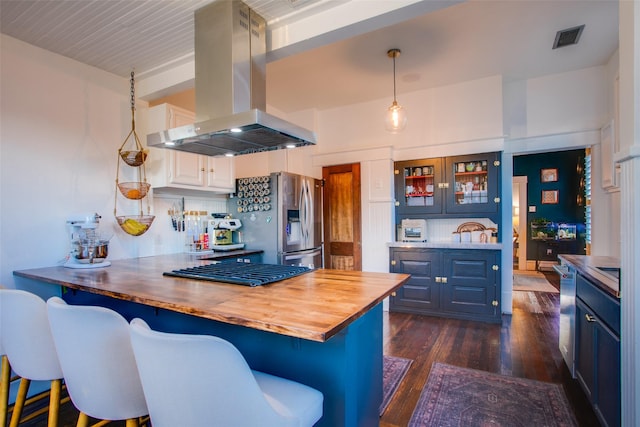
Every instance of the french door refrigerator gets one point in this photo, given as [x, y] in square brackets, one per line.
[281, 214]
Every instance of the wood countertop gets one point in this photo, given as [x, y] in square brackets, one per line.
[314, 306]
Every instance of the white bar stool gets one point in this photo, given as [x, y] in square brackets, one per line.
[99, 367]
[198, 380]
[29, 347]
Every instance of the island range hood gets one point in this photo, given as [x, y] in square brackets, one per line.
[230, 89]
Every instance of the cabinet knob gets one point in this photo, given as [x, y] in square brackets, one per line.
[590, 318]
[211, 170]
[494, 303]
[393, 294]
[397, 203]
[393, 262]
[444, 280]
[202, 170]
[496, 200]
[495, 267]
[438, 279]
[496, 163]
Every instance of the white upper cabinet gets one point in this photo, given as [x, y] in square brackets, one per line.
[178, 169]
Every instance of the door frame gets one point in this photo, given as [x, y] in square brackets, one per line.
[520, 183]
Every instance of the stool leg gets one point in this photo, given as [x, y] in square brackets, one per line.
[83, 420]
[132, 422]
[5, 379]
[54, 403]
[20, 399]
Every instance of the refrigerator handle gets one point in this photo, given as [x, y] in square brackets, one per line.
[304, 221]
[308, 214]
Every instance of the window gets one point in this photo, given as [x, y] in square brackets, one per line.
[587, 198]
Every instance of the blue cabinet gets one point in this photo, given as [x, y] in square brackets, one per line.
[453, 186]
[456, 283]
[598, 349]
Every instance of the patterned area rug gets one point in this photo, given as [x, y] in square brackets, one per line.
[393, 371]
[456, 396]
[532, 281]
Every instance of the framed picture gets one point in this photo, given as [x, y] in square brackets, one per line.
[548, 175]
[549, 197]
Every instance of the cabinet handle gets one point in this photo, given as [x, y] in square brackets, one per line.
[444, 280]
[590, 318]
[495, 267]
[393, 262]
[438, 279]
[202, 170]
[496, 200]
[397, 203]
[496, 163]
[211, 170]
[393, 294]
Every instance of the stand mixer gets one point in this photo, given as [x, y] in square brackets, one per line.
[88, 248]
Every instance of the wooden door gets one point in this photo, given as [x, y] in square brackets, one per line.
[342, 217]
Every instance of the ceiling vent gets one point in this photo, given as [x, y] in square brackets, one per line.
[568, 37]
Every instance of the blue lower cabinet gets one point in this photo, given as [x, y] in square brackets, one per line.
[598, 350]
[448, 283]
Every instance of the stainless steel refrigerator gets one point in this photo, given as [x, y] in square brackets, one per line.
[281, 214]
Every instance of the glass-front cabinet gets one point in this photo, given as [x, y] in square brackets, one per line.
[448, 185]
[473, 183]
[417, 184]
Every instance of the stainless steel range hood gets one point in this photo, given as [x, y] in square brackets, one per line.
[230, 88]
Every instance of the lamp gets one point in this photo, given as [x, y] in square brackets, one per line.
[396, 118]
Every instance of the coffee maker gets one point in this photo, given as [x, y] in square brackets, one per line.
[88, 248]
[222, 234]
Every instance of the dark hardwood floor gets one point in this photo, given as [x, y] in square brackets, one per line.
[524, 345]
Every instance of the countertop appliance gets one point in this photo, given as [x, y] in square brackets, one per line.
[566, 338]
[89, 249]
[221, 234]
[288, 226]
[254, 274]
[230, 85]
[413, 230]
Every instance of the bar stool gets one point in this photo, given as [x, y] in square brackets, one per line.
[29, 347]
[99, 367]
[5, 379]
[197, 380]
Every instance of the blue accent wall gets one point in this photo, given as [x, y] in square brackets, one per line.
[570, 165]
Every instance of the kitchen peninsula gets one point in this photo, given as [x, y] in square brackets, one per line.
[322, 328]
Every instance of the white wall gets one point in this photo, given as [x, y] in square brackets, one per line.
[62, 123]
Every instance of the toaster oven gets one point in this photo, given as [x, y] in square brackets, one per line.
[413, 230]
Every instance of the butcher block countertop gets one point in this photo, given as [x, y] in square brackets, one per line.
[314, 306]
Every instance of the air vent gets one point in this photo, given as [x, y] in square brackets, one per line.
[568, 37]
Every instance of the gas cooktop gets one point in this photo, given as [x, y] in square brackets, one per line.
[253, 274]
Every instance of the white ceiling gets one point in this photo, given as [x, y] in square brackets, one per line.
[454, 42]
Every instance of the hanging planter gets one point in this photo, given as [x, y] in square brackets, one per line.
[135, 225]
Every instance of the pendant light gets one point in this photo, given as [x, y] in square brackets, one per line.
[396, 118]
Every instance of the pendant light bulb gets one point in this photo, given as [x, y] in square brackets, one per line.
[396, 118]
